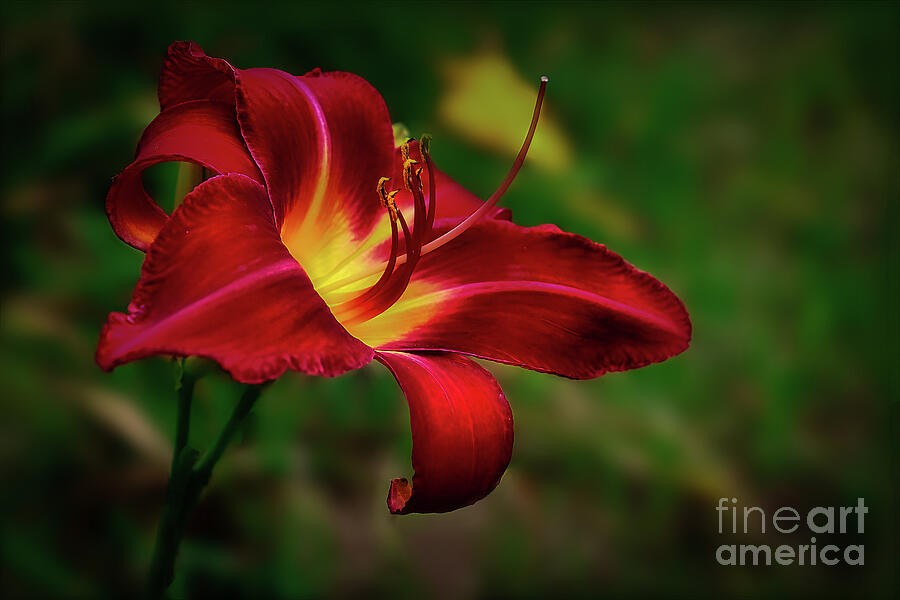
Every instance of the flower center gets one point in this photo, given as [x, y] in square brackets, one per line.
[355, 307]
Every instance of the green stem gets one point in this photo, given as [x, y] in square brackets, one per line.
[187, 481]
[184, 386]
[171, 525]
[203, 470]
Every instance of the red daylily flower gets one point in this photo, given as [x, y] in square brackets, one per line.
[297, 254]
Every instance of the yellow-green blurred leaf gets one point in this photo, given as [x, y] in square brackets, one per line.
[489, 104]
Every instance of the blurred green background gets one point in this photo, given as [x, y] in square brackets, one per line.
[746, 155]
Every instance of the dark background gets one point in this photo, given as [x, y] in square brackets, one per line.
[744, 154]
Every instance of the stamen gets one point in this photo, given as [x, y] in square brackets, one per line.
[425, 148]
[415, 187]
[389, 203]
[408, 163]
[373, 303]
[380, 189]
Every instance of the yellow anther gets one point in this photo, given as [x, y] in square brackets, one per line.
[404, 150]
[380, 187]
[391, 205]
[408, 164]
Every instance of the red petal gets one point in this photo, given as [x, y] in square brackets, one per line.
[462, 431]
[200, 132]
[217, 282]
[534, 297]
[322, 141]
[336, 130]
[189, 74]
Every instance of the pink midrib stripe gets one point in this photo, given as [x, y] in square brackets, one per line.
[325, 139]
[222, 293]
[471, 289]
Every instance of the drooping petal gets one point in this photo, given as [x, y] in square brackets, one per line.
[534, 297]
[201, 132]
[217, 282]
[462, 431]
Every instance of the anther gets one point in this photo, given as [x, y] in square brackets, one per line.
[380, 188]
[408, 164]
[391, 205]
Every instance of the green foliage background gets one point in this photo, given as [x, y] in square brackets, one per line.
[744, 154]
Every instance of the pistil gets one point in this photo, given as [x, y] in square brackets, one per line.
[507, 181]
[398, 269]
